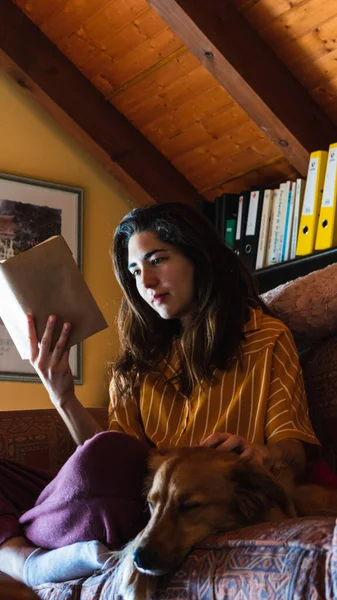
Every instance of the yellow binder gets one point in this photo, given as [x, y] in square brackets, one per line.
[311, 203]
[326, 236]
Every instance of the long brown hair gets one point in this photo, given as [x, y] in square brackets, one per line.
[223, 287]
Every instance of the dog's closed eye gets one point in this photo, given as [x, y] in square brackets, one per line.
[187, 506]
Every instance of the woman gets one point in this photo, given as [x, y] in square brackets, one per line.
[202, 362]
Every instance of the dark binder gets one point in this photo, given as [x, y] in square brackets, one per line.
[208, 210]
[226, 213]
[241, 222]
[251, 238]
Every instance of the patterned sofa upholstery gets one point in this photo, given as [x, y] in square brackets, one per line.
[292, 560]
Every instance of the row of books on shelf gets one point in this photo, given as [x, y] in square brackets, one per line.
[269, 226]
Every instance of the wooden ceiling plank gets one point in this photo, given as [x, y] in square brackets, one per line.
[241, 162]
[315, 73]
[142, 28]
[135, 81]
[41, 10]
[261, 14]
[272, 174]
[272, 170]
[107, 74]
[301, 19]
[170, 123]
[145, 93]
[113, 17]
[204, 165]
[237, 138]
[253, 75]
[173, 140]
[80, 44]
[326, 94]
[70, 17]
[36, 64]
[310, 46]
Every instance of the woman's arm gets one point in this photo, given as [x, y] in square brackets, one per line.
[53, 368]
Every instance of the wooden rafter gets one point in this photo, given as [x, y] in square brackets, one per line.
[252, 74]
[40, 68]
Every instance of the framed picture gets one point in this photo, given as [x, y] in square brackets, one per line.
[31, 211]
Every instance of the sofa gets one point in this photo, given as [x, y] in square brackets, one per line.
[293, 559]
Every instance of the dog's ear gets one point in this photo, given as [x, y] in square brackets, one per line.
[256, 491]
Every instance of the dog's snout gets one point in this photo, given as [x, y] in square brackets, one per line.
[144, 558]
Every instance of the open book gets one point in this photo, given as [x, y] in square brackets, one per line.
[43, 281]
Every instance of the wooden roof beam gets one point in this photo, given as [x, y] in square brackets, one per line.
[31, 59]
[250, 71]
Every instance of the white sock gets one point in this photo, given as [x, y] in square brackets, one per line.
[69, 562]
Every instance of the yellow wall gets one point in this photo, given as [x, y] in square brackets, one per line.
[32, 145]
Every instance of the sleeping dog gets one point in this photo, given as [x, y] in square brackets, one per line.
[196, 492]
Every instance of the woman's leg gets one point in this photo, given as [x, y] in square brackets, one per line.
[97, 495]
[94, 501]
[20, 487]
[13, 555]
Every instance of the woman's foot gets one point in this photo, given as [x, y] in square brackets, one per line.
[13, 555]
[80, 559]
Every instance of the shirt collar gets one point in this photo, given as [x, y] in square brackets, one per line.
[255, 319]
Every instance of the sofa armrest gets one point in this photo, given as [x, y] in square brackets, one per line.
[39, 437]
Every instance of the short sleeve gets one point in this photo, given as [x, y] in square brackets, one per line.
[124, 416]
[287, 411]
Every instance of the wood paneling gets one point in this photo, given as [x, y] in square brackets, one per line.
[36, 64]
[133, 59]
[271, 174]
[131, 56]
[304, 35]
[39, 11]
[211, 31]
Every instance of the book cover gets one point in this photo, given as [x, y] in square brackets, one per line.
[271, 258]
[241, 222]
[288, 222]
[208, 210]
[263, 235]
[253, 227]
[43, 281]
[226, 211]
[284, 208]
[230, 232]
[299, 195]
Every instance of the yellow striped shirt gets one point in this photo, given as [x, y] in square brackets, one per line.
[262, 400]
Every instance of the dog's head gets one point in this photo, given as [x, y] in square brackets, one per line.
[196, 492]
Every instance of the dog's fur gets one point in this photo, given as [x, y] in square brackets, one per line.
[196, 492]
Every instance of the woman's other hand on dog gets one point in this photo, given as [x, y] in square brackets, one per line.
[228, 442]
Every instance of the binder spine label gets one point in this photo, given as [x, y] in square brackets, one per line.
[310, 188]
[330, 180]
[239, 221]
[252, 213]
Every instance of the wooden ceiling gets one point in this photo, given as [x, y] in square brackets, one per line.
[182, 99]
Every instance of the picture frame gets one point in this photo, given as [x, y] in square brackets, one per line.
[32, 210]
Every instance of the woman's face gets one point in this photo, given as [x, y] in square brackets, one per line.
[164, 276]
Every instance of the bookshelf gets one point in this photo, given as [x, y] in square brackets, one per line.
[270, 277]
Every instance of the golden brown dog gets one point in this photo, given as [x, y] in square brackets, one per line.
[196, 492]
